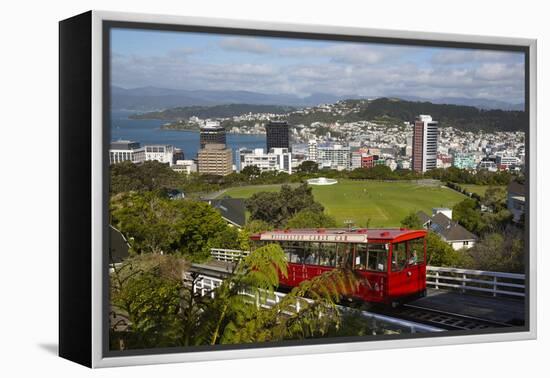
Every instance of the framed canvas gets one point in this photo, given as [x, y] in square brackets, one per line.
[233, 189]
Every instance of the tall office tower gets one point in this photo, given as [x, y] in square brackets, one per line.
[215, 159]
[212, 133]
[277, 135]
[424, 144]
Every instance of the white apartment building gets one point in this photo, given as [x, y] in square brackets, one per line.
[277, 159]
[185, 166]
[334, 157]
[312, 150]
[122, 150]
[160, 153]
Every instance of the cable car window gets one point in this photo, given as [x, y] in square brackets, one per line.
[372, 257]
[416, 251]
[399, 256]
[344, 255]
[327, 254]
[311, 253]
[293, 252]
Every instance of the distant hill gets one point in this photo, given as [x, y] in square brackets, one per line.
[459, 116]
[153, 98]
[389, 111]
[215, 111]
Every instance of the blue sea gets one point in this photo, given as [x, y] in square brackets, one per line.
[149, 132]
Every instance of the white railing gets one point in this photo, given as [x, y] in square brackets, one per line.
[480, 281]
[206, 285]
[229, 255]
[494, 283]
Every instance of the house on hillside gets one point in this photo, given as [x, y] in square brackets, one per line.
[516, 200]
[450, 231]
[232, 210]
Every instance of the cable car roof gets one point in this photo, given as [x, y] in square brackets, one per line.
[356, 235]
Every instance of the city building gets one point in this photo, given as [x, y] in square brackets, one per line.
[277, 159]
[488, 165]
[122, 150]
[160, 153]
[215, 159]
[505, 162]
[277, 135]
[312, 150]
[212, 133]
[448, 230]
[424, 149]
[185, 166]
[333, 156]
[355, 160]
[178, 155]
[464, 161]
[367, 161]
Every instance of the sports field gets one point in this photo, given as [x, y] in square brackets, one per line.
[380, 203]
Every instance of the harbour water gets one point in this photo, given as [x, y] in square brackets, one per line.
[149, 132]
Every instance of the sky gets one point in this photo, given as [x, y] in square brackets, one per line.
[198, 61]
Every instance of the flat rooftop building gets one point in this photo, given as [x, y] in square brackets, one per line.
[215, 159]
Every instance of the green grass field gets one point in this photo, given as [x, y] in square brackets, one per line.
[478, 189]
[384, 203]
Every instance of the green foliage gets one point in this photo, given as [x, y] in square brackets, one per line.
[149, 176]
[145, 297]
[411, 221]
[255, 226]
[308, 166]
[439, 253]
[155, 224]
[277, 208]
[469, 216]
[502, 252]
[311, 219]
[251, 171]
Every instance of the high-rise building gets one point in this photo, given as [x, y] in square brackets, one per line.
[212, 133]
[122, 150]
[424, 151]
[277, 135]
[312, 150]
[215, 159]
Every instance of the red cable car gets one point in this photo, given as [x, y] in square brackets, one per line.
[390, 262]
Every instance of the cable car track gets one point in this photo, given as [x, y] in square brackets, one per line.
[446, 320]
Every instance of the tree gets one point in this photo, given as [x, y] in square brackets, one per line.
[149, 176]
[145, 301]
[311, 219]
[308, 166]
[277, 208]
[468, 215]
[411, 221]
[501, 251]
[251, 171]
[154, 224]
[495, 198]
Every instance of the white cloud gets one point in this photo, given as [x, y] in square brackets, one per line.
[245, 44]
